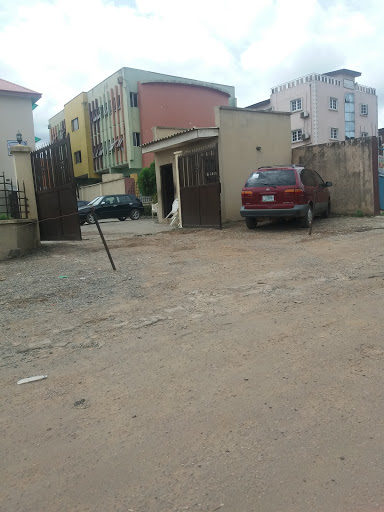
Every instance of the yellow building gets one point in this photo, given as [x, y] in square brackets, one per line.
[74, 119]
[76, 115]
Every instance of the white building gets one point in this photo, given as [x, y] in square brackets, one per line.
[326, 107]
[16, 105]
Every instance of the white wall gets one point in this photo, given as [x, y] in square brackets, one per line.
[15, 115]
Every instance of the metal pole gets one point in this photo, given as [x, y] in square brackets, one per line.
[102, 238]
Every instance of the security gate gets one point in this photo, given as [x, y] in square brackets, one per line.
[200, 187]
[55, 190]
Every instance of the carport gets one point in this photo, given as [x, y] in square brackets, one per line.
[205, 168]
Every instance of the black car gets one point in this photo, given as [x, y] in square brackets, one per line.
[81, 203]
[112, 207]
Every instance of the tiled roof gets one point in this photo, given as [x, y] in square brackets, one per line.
[6, 86]
[169, 136]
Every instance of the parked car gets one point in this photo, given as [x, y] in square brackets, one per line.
[81, 203]
[112, 207]
[284, 192]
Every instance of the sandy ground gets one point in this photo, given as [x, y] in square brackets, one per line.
[229, 370]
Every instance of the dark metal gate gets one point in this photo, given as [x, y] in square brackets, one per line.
[55, 189]
[200, 187]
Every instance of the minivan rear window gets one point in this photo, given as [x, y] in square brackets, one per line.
[274, 177]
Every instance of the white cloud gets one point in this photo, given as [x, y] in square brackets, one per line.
[67, 46]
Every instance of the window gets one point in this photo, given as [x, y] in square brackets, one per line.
[110, 107]
[333, 103]
[364, 134]
[114, 104]
[364, 110]
[296, 105]
[273, 177]
[118, 102]
[308, 178]
[136, 139]
[75, 124]
[318, 178]
[78, 157]
[334, 133]
[349, 84]
[296, 135]
[134, 97]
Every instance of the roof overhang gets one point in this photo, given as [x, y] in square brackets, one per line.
[348, 72]
[179, 139]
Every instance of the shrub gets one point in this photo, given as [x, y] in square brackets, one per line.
[3, 216]
[147, 181]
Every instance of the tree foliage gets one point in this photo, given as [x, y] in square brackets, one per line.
[147, 181]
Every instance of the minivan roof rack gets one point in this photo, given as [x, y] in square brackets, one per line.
[279, 166]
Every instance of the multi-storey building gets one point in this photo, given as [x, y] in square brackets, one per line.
[16, 105]
[325, 107]
[123, 110]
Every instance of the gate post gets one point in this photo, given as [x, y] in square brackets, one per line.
[23, 170]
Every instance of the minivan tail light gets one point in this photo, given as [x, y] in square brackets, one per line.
[246, 193]
[297, 192]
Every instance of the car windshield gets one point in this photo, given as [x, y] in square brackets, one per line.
[95, 201]
[273, 177]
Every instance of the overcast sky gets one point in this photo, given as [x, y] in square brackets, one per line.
[63, 47]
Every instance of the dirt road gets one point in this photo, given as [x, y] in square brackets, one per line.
[227, 370]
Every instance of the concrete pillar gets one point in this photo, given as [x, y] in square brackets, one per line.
[177, 154]
[23, 170]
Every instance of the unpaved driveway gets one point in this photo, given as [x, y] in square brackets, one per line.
[215, 370]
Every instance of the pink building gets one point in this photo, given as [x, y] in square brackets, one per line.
[325, 108]
[179, 105]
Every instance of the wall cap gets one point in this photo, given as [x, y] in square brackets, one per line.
[19, 148]
[18, 221]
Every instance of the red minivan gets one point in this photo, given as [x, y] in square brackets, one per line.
[284, 192]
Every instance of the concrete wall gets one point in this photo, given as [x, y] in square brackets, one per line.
[18, 237]
[241, 132]
[111, 184]
[352, 166]
[15, 114]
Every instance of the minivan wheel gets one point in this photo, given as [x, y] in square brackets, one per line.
[90, 218]
[251, 222]
[306, 221]
[135, 214]
[327, 211]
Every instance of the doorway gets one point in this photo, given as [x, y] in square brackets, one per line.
[167, 188]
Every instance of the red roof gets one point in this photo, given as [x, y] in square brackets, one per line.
[9, 87]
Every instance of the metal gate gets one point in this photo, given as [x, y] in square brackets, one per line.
[55, 190]
[200, 187]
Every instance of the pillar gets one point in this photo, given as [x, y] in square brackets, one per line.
[23, 171]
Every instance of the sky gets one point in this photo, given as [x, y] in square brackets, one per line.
[62, 47]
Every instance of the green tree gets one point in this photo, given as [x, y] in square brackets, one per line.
[147, 181]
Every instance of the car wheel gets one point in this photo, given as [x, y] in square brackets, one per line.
[135, 214]
[305, 222]
[122, 218]
[327, 211]
[251, 222]
[90, 218]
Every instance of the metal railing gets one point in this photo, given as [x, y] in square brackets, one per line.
[13, 201]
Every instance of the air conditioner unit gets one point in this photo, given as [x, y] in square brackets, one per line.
[305, 136]
[304, 114]
[120, 80]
